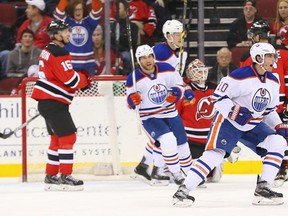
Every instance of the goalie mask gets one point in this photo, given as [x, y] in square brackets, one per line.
[197, 72]
[261, 28]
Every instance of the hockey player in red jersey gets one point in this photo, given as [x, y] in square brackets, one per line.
[260, 32]
[54, 92]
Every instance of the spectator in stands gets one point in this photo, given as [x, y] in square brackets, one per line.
[143, 16]
[37, 22]
[280, 20]
[237, 35]
[82, 25]
[24, 55]
[99, 53]
[222, 67]
[162, 14]
[124, 47]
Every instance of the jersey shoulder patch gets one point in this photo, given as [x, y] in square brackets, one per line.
[242, 73]
[164, 67]
[162, 51]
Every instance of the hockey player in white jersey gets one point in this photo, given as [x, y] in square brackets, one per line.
[159, 87]
[245, 101]
[169, 51]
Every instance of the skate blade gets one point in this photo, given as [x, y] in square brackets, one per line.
[202, 186]
[71, 188]
[140, 178]
[52, 187]
[267, 202]
[155, 182]
[185, 203]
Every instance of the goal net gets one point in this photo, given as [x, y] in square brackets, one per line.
[108, 139]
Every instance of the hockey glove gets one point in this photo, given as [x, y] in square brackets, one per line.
[284, 116]
[89, 80]
[282, 129]
[174, 94]
[240, 114]
[133, 100]
[189, 96]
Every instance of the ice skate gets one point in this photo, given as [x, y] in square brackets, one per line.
[178, 178]
[141, 173]
[216, 174]
[281, 176]
[263, 195]
[52, 183]
[235, 154]
[181, 198]
[158, 178]
[69, 183]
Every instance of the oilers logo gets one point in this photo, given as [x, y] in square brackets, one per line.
[79, 36]
[261, 99]
[157, 94]
[205, 109]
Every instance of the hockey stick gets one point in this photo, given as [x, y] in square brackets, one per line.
[5, 136]
[182, 38]
[128, 28]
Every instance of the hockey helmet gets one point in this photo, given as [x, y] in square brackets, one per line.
[171, 26]
[143, 50]
[261, 49]
[283, 33]
[261, 28]
[197, 71]
[56, 26]
[40, 4]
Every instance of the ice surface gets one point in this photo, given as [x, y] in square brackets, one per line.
[232, 196]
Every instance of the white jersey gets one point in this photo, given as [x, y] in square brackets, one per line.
[163, 53]
[245, 87]
[153, 89]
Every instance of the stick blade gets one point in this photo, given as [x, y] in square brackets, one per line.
[5, 136]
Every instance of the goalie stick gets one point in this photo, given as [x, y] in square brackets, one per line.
[5, 136]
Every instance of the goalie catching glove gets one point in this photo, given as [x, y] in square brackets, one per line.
[174, 94]
[282, 129]
[133, 100]
[239, 114]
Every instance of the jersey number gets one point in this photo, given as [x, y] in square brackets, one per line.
[222, 87]
[67, 65]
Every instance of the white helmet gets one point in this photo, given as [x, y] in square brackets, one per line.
[143, 50]
[38, 3]
[171, 26]
[197, 72]
[261, 49]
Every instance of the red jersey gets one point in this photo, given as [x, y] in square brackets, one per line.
[282, 70]
[140, 11]
[197, 118]
[41, 36]
[58, 80]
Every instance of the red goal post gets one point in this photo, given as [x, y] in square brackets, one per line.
[108, 142]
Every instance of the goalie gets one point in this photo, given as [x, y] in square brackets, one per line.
[54, 92]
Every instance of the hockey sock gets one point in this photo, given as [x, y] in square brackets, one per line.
[148, 154]
[271, 165]
[66, 153]
[169, 152]
[203, 167]
[185, 157]
[52, 166]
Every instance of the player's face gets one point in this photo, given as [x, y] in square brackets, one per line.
[78, 12]
[147, 63]
[177, 39]
[269, 60]
[65, 35]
